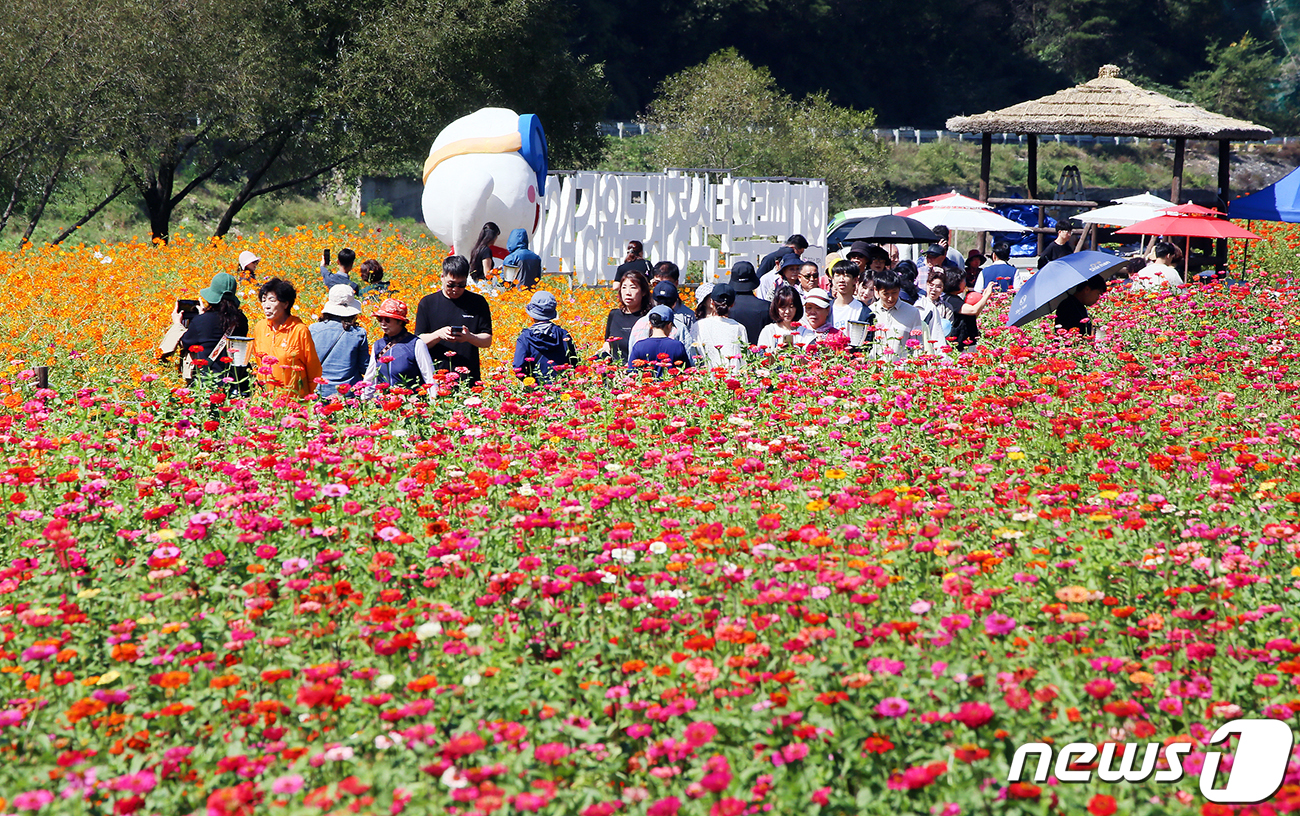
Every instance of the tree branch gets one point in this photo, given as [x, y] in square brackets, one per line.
[45, 195]
[122, 187]
[199, 179]
[301, 179]
[13, 199]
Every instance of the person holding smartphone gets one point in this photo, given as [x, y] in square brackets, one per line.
[455, 323]
[343, 273]
[206, 336]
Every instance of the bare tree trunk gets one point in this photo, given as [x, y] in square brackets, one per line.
[246, 192]
[45, 195]
[13, 198]
[122, 187]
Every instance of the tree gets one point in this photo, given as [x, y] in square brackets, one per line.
[1244, 82]
[290, 90]
[53, 85]
[188, 80]
[727, 114]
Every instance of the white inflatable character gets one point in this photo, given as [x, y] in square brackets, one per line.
[488, 166]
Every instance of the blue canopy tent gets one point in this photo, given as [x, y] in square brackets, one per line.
[1279, 201]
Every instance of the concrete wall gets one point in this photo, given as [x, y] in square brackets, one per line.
[402, 194]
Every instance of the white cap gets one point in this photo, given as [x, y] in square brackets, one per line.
[246, 258]
[817, 296]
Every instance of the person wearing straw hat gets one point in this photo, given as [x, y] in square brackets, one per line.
[544, 348]
[282, 349]
[398, 359]
[340, 343]
[206, 338]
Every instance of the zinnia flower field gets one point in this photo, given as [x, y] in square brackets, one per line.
[828, 586]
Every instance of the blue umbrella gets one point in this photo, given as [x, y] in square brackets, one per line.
[1043, 292]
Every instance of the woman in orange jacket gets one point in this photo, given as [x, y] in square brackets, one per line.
[282, 352]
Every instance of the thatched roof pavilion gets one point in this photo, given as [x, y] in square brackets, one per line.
[1111, 106]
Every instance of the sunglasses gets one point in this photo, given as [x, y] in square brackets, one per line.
[451, 284]
[389, 320]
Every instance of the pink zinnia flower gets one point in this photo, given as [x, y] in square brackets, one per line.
[700, 733]
[893, 707]
[665, 807]
[999, 624]
[37, 799]
[1099, 688]
[551, 752]
[974, 715]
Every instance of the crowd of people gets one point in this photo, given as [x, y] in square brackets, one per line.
[334, 355]
[867, 299]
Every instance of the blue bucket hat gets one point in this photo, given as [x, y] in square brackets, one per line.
[542, 306]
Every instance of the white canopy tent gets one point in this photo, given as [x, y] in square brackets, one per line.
[1126, 211]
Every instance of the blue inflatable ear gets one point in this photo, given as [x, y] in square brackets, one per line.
[534, 148]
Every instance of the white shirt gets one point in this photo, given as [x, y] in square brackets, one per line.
[841, 315]
[721, 341]
[1155, 276]
[767, 285]
[938, 323]
[773, 336]
[896, 329]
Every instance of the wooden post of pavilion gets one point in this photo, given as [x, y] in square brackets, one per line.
[1225, 181]
[1176, 188]
[986, 168]
[1031, 183]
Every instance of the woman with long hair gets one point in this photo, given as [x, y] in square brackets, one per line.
[635, 260]
[633, 303]
[480, 257]
[787, 308]
[205, 339]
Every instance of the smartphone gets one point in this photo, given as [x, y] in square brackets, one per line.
[188, 309]
[325, 257]
[457, 331]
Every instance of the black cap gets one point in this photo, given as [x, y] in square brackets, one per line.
[724, 293]
[935, 249]
[665, 291]
[790, 260]
[744, 278]
[858, 248]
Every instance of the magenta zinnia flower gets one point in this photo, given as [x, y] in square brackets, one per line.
[999, 624]
[892, 707]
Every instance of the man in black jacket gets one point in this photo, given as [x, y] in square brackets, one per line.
[750, 311]
[795, 243]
